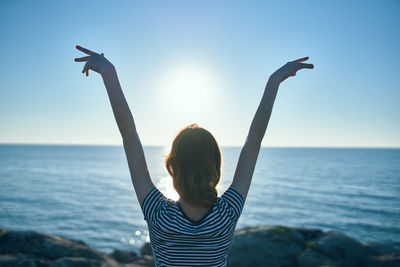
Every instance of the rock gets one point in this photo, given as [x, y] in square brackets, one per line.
[380, 249]
[16, 260]
[264, 246]
[285, 246]
[252, 246]
[79, 262]
[310, 257]
[347, 251]
[384, 255]
[20, 248]
[124, 256]
[146, 249]
[145, 261]
[45, 246]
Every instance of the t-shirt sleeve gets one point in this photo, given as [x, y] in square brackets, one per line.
[152, 204]
[234, 200]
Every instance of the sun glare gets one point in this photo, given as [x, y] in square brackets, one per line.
[165, 185]
[190, 91]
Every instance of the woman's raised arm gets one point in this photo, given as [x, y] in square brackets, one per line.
[133, 148]
[248, 156]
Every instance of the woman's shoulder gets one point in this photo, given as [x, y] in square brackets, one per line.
[232, 194]
[232, 201]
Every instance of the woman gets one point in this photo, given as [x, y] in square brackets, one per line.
[196, 230]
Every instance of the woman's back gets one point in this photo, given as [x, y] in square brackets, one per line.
[179, 241]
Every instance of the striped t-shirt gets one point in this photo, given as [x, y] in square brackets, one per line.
[178, 241]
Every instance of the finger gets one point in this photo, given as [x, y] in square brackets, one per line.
[81, 59]
[87, 72]
[293, 74]
[307, 66]
[102, 54]
[84, 50]
[301, 59]
[85, 67]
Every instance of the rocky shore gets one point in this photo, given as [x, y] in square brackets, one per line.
[253, 246]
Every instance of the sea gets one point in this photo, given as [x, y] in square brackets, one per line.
[85, 192]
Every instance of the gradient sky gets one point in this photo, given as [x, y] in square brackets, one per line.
[181, 62]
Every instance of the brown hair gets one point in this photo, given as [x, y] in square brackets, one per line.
[195, 165]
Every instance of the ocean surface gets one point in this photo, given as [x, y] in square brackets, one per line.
[85, 192]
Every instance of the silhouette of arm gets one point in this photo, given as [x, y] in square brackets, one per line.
[133, 148]
[249, 154]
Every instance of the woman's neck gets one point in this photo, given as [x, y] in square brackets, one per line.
[192, 211]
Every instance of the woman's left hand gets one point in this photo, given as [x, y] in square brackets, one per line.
[94, 61]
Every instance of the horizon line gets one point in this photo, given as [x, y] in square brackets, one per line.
[222, 146]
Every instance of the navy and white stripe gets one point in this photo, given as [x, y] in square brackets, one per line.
[178, 241]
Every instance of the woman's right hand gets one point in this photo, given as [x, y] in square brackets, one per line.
[290, 69]
[94, 61]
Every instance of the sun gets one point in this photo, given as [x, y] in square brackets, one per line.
[188, 90]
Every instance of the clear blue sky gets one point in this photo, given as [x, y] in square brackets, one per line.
[181, 62]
